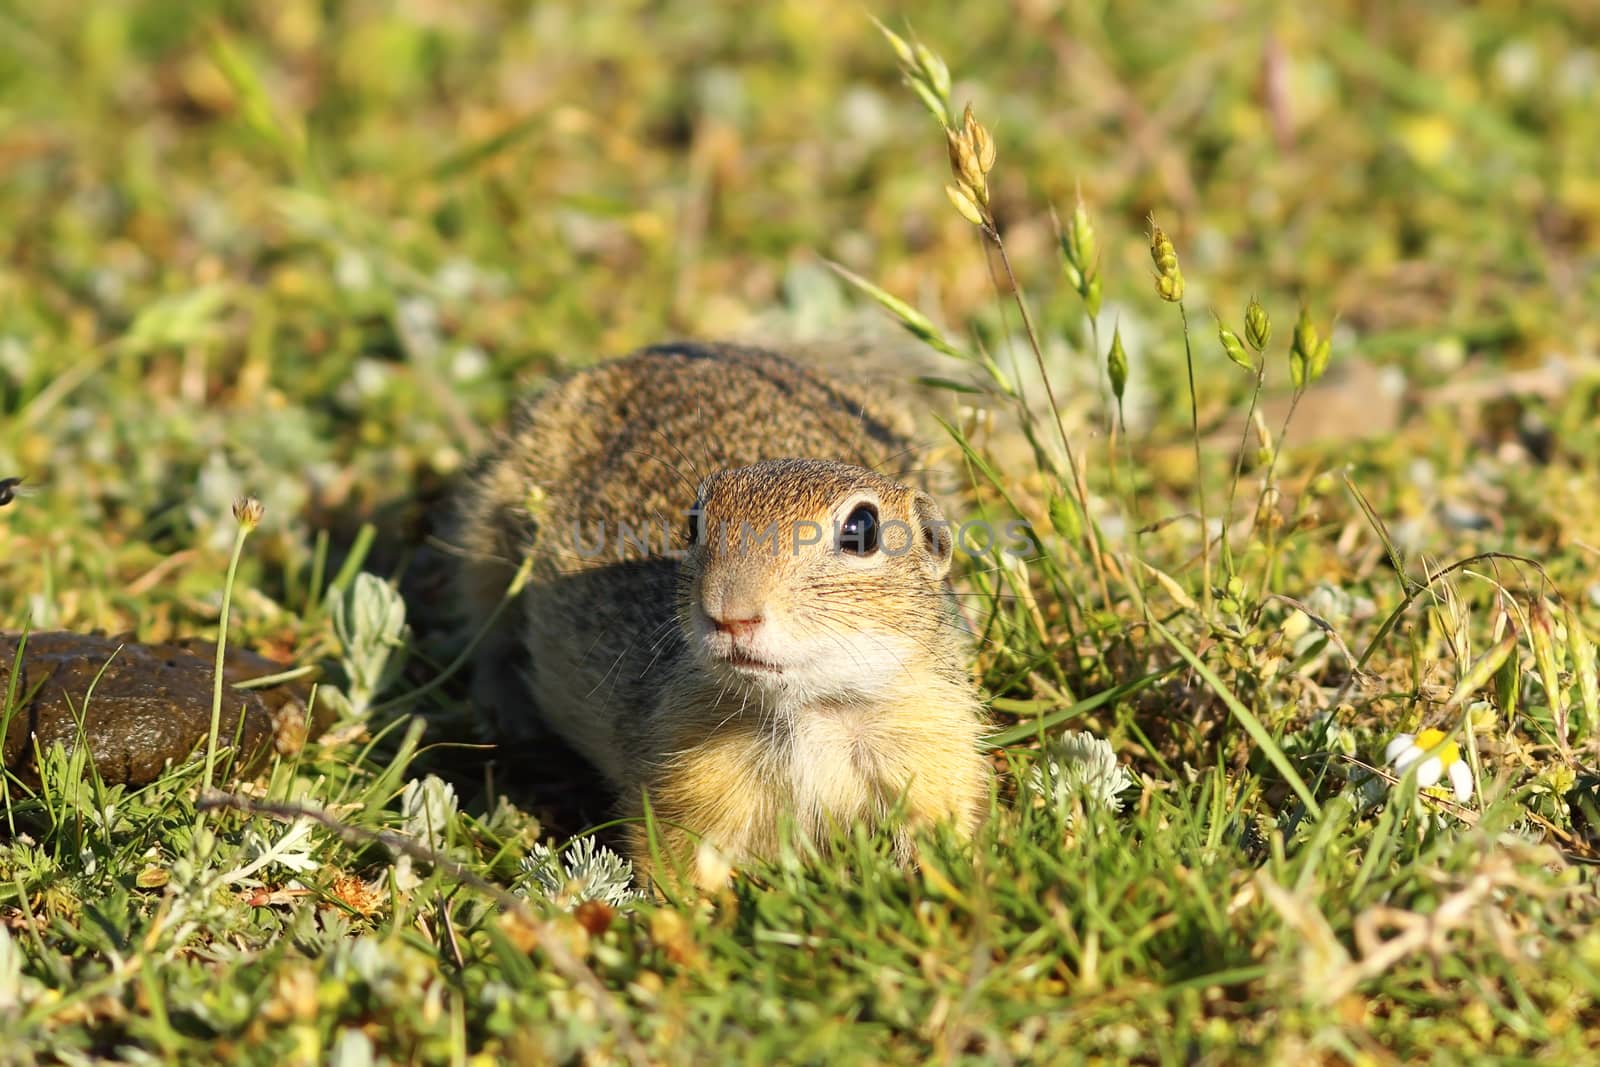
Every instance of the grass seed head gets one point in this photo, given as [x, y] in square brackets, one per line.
[961, 165]
[1232, 346]
[1547, 660]
[1064, 518]
[934, 69]
[902, 50]
[1169, 279]
[965, 201]
[1508, 680]
[1308, 352]
[972, 155]
[1117, 364]
[1080, 236]
[1091, 297]
[1319, 359]
[1485, 668]
[978, 136]
[1080, 257]
[1581, 649]
[1257, 325]
[923, 72]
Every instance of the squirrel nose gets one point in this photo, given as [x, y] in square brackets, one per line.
[740, 630]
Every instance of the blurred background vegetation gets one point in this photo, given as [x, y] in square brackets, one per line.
[305, 249]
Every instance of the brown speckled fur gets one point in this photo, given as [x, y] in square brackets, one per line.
[600, 646]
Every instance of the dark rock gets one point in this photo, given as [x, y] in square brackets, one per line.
[141, 707]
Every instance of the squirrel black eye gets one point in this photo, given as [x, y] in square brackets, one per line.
[691, 533]
[859, 534]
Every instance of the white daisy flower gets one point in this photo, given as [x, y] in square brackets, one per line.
[1440, 758]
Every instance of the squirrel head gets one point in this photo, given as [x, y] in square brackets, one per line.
[810, 580]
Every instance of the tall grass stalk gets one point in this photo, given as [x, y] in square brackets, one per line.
[1091, 540]
[248, 513]
[1238, 466]
[1268, 496]
[972, 152]
[1199, 471]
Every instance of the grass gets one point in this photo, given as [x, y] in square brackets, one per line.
[311, 255]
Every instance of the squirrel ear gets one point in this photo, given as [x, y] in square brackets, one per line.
[936, 537]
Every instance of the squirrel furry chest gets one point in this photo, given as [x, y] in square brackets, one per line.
[732, 603]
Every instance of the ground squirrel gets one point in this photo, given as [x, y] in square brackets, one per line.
[734, 603]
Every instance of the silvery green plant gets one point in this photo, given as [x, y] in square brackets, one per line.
[585, 870]
[427, 806]
[1077, 765]
[369, 619]
[352, 1048]
[18, 991]
[290, 850]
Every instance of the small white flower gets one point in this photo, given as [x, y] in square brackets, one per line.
[469, 363]
[1079, 764]
[417, 322]
[352, 1048]
[352, 271]
[1439, 756]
